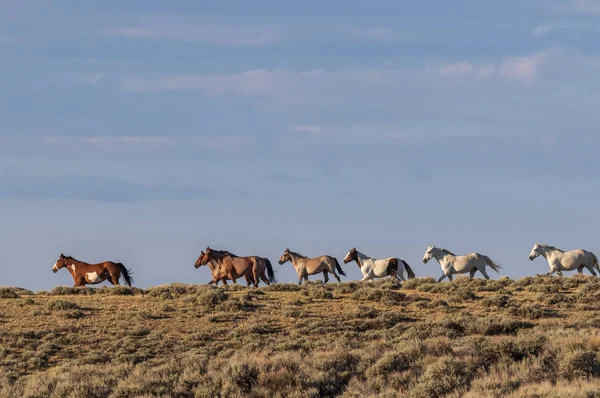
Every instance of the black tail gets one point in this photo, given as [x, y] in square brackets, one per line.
[409, 270]
[126, 274]
[338, 267]
[270, 271]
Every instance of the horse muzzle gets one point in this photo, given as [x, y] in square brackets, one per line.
[280, 262]
[531, 258]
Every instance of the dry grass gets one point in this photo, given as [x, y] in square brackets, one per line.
[536, 337]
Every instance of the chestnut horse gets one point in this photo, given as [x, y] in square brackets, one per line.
[84, 273]
[232, 267]
[309, 266]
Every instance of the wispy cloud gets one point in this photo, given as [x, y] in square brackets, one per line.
[541, 31]
[584, 6]
[224, 143]
[459, 68]
[186, 29]
[11, 39]
[90, 79]
[252, 82]
[374, 33]
[308, 128]
[522, 68]
[111, 142]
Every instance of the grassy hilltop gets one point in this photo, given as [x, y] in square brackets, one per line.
[533, 337]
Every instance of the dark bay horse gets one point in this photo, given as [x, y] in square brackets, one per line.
[253, 268]
[309, 266]
[84, 273]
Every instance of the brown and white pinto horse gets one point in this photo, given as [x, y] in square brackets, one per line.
[84, 273]
[232, 267]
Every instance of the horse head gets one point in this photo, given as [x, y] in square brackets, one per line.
[351, 256]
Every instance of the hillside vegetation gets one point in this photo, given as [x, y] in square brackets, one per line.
[533, 337]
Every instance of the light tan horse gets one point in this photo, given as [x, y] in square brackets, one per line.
[254, 268]
[84, 273]
[309, 266]
[218, 275]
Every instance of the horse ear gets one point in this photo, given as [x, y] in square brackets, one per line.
[287, 250]
[62, 255]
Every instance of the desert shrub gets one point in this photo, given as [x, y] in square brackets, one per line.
[8, 293]
[378, 294]
[579, 364]
[389, 363]
[413, 284]
[438, 303]
[525, 281]
[175, 290]
[442, 378]
[523, 347]
[282, 287]
[124, 291]
[74, 314]
[533, 311]
[62, 305]
[234, 305]
[320, 293]
[211, 297]
[498, 326]
[498, 300]
[556, 298]
[464, 294]
[548, 289]
[69, 291]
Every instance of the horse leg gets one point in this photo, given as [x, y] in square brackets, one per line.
[450, 277]
[364, 278]
[472, 273]
[115, 278]
[484, 273]
[559, 272]
[305, 278]
[264, 278]
[256, 276]
[442, 277]
[337, 277]
[325, 277]
[300, 277]
[590, 268]
[400, 275]
[580, 269]
[552, 271]
[248, 280]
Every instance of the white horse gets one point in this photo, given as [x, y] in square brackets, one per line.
[453, 264]
[559, 260]
[372, 268]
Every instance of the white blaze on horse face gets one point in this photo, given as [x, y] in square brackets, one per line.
[55, 267]
[427, 255]
[534, 252]
[347, 258]
[93, 277]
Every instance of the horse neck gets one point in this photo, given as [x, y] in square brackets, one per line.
[441, 256]
[295, 259]
[361, 258]
[548, 251]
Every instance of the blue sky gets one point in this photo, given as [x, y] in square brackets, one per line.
[143, 131]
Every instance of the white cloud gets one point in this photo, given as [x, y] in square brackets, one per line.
[197, 31]
[541, 31]
[486, 71]
[307, 128]
[522, 68]
[90, 79]
[456, 69]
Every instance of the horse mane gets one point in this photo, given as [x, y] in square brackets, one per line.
[447, 251]
[226, 252]
[71, 258]
[551, 247]
[297, 254]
